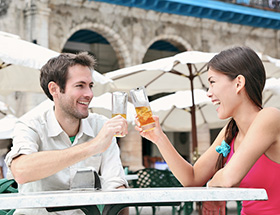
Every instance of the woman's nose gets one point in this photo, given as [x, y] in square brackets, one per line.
[209, 93]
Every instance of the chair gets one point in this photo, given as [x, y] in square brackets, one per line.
[7, 186]
[150, 177]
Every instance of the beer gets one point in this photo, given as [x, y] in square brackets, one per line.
[142, 107]
[119, 106]
[145, 118]
[123, 115]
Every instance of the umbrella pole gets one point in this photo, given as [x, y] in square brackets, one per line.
[193, 118]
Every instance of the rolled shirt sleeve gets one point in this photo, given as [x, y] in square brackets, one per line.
[112, 173]
[24, 142]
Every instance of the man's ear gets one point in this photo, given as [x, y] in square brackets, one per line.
[53, 88]
[240, 83]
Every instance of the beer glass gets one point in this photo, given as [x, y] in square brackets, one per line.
[143, 110]
[119, 106]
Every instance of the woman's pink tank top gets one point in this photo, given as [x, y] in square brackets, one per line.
[264, 174]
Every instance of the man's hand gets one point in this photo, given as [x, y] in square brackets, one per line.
[214, 208]
[115, 125]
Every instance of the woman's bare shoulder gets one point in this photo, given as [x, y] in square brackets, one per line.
[270, 112]
[269, 119]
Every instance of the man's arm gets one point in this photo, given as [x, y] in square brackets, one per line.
[35, 166]
[39, 165]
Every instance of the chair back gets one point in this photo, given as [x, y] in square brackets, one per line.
[150, 177]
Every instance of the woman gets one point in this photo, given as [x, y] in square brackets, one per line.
[249, 143]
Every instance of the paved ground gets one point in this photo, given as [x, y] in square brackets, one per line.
[168, 210]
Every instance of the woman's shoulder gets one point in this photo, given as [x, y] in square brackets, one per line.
[270, 111]
[270, 116]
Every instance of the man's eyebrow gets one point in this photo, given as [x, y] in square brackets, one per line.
[83, 82]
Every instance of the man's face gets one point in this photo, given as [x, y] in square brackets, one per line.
[78, 93]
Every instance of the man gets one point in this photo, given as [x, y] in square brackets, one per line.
[49, 148]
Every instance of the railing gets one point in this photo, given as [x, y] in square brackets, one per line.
[272, 5]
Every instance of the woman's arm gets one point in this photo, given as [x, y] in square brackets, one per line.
[186, 173]
[263, 136]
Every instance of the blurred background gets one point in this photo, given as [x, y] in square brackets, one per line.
[125, 33]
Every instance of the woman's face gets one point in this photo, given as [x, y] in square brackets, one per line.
[223, 93]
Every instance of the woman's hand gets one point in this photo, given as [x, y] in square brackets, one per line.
[214, 208]
[153, 135]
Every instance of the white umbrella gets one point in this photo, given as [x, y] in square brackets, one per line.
[103, 105]
[20, 62]
[175, 114]
[271, 65]
[102, 84]
[5, 109]
[271, 93]
[169, 74]
[184, 71]
[20, 52]
[7, 125]
[175, 73]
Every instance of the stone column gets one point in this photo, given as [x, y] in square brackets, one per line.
[37, 22]
[203, 141]
[131, 150]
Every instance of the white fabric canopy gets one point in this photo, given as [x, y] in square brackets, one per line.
[7, 125]
[20, 62]
[20, 52]
[271, 94]
[169, 74]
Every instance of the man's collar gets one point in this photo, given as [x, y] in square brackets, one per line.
[54, 129]
[86, 128]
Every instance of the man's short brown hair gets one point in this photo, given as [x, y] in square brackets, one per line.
[56, 69]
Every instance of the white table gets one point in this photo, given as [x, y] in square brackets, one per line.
[121, 198]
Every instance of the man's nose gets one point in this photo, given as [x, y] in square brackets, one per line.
[89, 92]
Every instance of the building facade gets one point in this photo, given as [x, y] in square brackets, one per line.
[127, 32]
